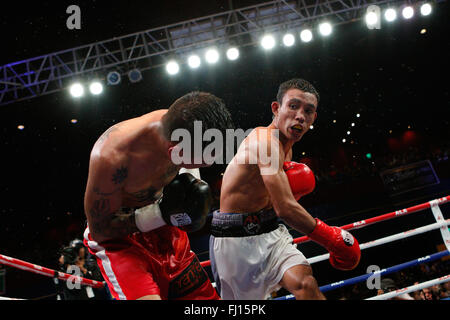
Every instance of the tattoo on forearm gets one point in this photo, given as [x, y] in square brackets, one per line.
[101, 207]
[120, 175]
[112, 224]
[99, 214]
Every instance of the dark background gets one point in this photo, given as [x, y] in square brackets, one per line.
[396, 78]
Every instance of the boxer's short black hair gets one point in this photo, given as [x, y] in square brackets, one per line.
[197, 106]
[296, 83]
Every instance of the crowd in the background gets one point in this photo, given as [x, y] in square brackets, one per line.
[402, 279]
[362, 167]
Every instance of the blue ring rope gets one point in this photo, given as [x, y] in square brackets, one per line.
[386, 271]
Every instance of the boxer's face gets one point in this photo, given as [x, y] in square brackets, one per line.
[296, 113]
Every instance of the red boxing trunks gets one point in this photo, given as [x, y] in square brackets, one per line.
[159, 262]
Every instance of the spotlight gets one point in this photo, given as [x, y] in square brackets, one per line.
[76, 90]
[194, 61]
[344, 140]
[172, 67]
[408, 12]
[134, 76]
[232, 53]
[371, 19]
[20, 127]
[212, 56]
[113, 78]
[96, 88]
[425, 9]
[325, 29]
[306, 35]
[268, 42]
[390, 15]
[288, 40]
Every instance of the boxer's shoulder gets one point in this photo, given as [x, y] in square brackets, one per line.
[155, 115]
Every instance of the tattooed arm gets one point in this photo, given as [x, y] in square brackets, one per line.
[106, 217]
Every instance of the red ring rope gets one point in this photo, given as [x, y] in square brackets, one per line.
[16, 263]
[364, 223]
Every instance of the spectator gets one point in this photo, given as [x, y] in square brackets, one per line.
[445, 293]
[72, 261]
[428, 294]
[436, 291]
[388, 285]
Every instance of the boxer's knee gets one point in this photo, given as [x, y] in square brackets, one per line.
[309, 283]
[306, 288]
[306, 283]
[300, 282]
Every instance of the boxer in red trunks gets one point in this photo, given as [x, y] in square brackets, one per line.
[139, 205]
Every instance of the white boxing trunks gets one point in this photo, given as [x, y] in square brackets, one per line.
[250, 267]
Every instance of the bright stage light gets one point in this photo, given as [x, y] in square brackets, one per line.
[194, 61]
[172, 67]
[76, 90]
[212, 56]
[232, 54]
[306, 35]
[325, 29]
[425, 9]
[408, 12]
[288, 40]
[268, 42]
[96, 88]
[390, 15]
[371, 18]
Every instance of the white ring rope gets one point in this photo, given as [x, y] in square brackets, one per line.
[395, 237]
[416, 287]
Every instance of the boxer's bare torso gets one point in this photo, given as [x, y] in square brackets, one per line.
[129, 166]
[243, 189]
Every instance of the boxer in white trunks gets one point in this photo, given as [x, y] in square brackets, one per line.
[252, 254]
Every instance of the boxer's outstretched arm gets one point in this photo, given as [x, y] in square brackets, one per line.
[106, 217]
[277, 185]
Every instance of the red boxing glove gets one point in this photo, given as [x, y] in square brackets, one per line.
[343, 247]
[301, 178]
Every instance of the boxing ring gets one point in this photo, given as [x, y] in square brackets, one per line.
[434, 206]
[440, 223]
